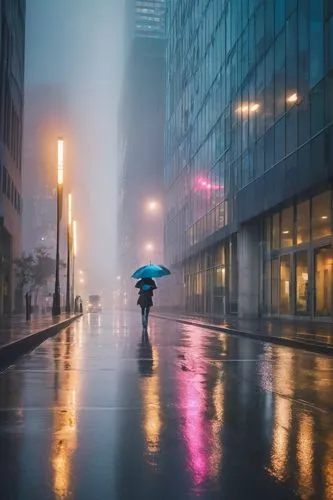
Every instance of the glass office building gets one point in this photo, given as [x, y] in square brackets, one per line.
[150, 18]
[249, 156]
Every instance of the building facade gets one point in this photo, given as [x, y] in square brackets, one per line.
[249, 156]
[141, 140]
[12, 26]
[149, 18]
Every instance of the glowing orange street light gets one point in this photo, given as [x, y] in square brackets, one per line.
[153, 206]
[149, 247]
[56, 309]
[60, 162]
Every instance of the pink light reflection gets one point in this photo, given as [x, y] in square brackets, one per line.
[192, 408]
[194, 432]
[202, 183]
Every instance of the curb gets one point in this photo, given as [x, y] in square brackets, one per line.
[13, 350]
[318, 347]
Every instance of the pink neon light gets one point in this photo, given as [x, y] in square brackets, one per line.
[203, 183]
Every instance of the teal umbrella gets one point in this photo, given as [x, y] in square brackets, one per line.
[151, 271]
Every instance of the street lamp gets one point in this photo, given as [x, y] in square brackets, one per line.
[56, 309]
[153, 206]
[149, 247]
[74, 243]
[69, 252]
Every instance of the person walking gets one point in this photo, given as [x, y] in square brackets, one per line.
[146, 288]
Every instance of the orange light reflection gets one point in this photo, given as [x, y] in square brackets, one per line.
[151, 401]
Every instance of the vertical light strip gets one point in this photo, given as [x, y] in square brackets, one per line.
[60, 162]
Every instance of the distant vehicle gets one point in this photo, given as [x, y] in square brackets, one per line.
[94, 303]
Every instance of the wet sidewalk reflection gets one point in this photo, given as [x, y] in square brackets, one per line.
[106, 411]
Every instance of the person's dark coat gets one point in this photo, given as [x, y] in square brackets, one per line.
[146, 288]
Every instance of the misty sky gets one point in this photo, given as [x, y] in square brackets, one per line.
[79, 44]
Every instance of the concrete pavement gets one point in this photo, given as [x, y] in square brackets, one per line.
[19, 336]
[314, 336]
[97, 412]
[15, 327]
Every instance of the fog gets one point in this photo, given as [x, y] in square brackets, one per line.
[74, 56]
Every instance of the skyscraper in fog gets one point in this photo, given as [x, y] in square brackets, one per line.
[141, 137]
[150, 18]
[12, 51]
[249, 156]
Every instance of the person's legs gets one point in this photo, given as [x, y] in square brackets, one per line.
[143, 315]
[147, 314]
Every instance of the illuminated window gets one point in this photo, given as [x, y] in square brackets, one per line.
[285, 284]
[323, 281]
[287, 227]
[302, 283]
[321, 215]
[303, 222]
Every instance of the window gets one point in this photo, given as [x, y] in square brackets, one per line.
[280, 140]
[275, 286]
[323, 281]
[285, 285]
[280, 74]
[269, 149]
[329, 99]
[317, 108]
[291, 130]
[303, 121]
[316, 41]
[268, 232]
[280, 12]
[269, 23]
[328, 8]
[276, 231]
[321, 215]
[302, 283]
[330, 42]
[260, 30]
[303, 47]
[291, 53]
[287, 216]
[260, 158]
[290, 7]
[267, 286]
[303, 222]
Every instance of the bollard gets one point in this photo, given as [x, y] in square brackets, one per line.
[28, 306]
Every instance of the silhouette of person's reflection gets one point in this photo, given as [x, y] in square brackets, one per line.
[145, 356]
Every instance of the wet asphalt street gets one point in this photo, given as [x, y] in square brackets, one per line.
[96, 414]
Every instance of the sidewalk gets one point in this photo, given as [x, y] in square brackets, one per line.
[18, 336]
[16, 327]
[309, 335]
